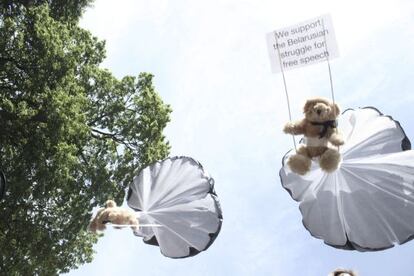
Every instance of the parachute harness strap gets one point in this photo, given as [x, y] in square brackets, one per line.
[284, 84]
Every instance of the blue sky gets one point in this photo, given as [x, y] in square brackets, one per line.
[211, 65]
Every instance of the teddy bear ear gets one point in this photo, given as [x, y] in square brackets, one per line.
[93, 225]
[110, 203]
[309, 103]
[337, 109]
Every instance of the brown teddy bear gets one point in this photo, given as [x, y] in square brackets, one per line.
[115, 215]
[343, 272]
[319, 130]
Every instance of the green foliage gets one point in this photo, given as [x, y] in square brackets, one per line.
[63, 10]
[71, 135]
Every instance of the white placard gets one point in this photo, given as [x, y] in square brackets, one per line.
[303, 44]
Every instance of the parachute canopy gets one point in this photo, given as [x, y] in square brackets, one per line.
[178, 195]
[368, 202]
[2, 184]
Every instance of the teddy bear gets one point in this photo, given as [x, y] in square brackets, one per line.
[343, 272]
[115, 215]
[320, 132]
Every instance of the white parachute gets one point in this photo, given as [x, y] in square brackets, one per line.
[177, 196]
[367, 204]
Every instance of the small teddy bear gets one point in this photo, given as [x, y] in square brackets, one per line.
[115, 215]
[343, 272]
[319, 128]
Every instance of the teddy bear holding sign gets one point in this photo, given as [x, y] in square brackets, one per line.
[320, 132]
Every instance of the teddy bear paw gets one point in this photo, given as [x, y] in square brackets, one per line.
[329, 160]
[336, 140]
[289, 128]
[299, 164]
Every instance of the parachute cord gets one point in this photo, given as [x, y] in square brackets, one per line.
[329, 69]
[284, 84]
[328, 62]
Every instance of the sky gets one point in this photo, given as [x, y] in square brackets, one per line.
[211, 65]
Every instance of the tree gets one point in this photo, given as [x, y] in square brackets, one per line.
[71, 135]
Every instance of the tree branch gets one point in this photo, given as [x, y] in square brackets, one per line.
[106, 135]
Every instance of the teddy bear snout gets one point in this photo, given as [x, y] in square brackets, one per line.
[321, 110]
